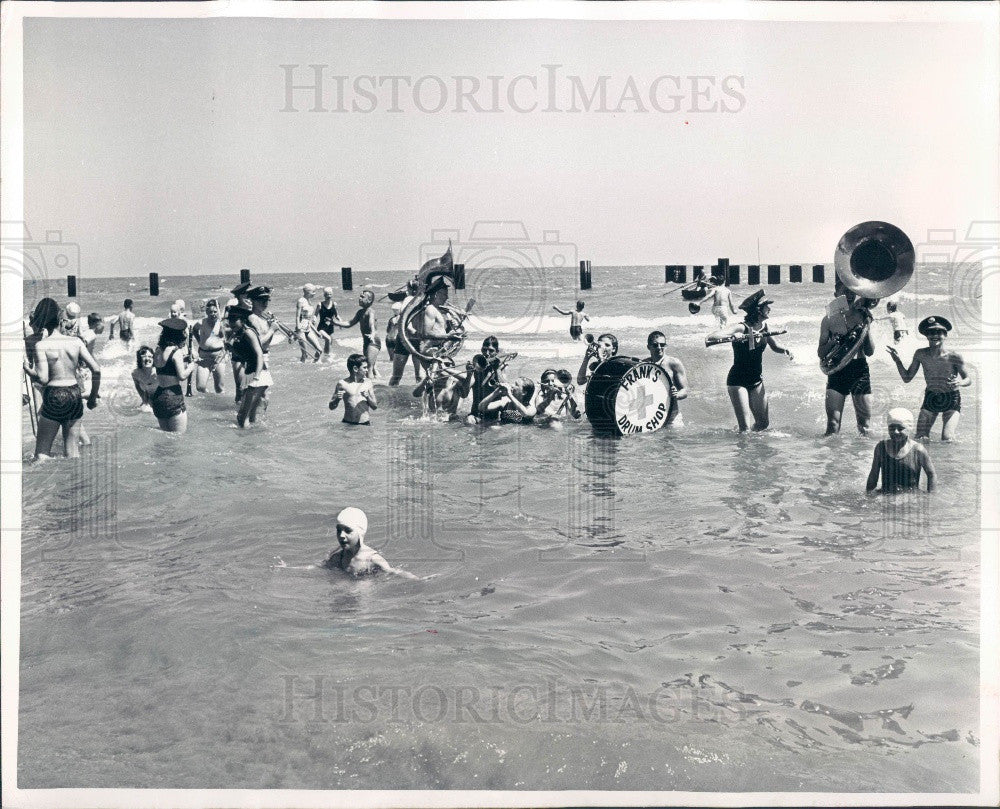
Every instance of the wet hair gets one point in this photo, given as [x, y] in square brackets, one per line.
[612, 338]
[45, 316]
[491, 342]
[354, 360]
[170, 337]
[527, 387]
[579, 306]
[138, 355]
[93, 319]
[890, 306]
[653, 335]
[128, 303]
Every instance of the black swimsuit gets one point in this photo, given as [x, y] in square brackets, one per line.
[747, 371]
[897, 473]
[326, 317]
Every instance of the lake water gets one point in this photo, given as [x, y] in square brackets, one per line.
[689, 610]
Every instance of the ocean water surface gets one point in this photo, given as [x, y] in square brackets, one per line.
[688, 610]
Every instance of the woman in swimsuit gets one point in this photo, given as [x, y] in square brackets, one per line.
[510, 404]
[745, 381]
[326, 316]
[144, 376]
[305, 331]
[247, 342]
[898, 459]
[211, 348]
[167, 400]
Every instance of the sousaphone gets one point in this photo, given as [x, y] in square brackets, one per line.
[874, 260]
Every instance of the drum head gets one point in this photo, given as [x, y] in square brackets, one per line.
[626, 395]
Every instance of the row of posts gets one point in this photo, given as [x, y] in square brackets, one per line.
[727, 273]
[723, 271]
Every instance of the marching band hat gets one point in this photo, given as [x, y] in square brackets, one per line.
[934, 323]
[755, 301]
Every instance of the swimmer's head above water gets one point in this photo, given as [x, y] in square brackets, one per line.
[352, 525]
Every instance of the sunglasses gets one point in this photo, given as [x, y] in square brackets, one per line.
[658, 345]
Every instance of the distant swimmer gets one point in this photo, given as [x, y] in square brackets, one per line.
[745, 381]
[356, 391]
[144, 377]
[444, 387]
[326, 319]
[944, 374]
[656, 343]
[603, 348]
[722, 302]
[845, 315]
[209, 333]
[354, 556]
[898, 459]
[125, 323]
[576, 320]
[305, 329]
[172, 368]
[57, 355]
[366, 321]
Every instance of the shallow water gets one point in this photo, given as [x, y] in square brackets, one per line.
[689, 610]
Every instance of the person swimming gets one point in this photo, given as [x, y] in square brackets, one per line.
[354, 556]
[898, 459]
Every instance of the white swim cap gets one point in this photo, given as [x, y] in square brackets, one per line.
[308, 289]
[328, 291]
[353, 518]
[72, 310]
[900, 415]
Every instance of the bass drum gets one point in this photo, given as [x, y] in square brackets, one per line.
[626, 395]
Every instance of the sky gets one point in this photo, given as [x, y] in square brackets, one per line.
[168, 145]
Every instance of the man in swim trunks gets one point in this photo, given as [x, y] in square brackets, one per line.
[656, 343]
[745, 381]
[57, 357]
[124, 321]
[854, 379]
[354, 556]
[356, 391]
[576, 320]
[326, 319]
[898, 459]
[722, 302]
[210, 335]
[365, 318]
[944, 374]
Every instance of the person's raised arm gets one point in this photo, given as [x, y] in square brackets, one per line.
[525, 410]
[183, 370]
[905, 373]
[560, 311]
[348, 324]
[490, 402]
[876, 468]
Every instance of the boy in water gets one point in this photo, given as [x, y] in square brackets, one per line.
[354, 556]
[722, 300]
[356, 391]
[576, 320]
[944, 374]
[124, 321]
[444, 388]
[896, 320]
[847, 313]
[898, 459]
[365, 318]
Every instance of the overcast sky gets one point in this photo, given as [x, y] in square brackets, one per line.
[161, 145]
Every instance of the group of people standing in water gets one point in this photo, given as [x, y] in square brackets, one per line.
[61, 364]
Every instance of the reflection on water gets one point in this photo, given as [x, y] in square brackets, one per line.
[692, 609]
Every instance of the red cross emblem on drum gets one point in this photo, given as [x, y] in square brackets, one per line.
[628, 396]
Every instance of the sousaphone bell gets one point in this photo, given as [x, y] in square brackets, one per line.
[874, 260]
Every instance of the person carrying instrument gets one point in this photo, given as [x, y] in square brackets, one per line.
[444, 388]
[944, 374]
[603, 348]
[841, 324]
[745, 381]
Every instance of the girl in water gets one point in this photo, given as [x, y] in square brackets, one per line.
[745, 381]
[167, 400]
[510, 404]
[144, 377]
[899, 459]
[604, 348]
